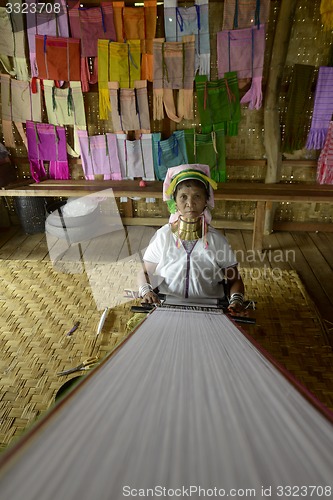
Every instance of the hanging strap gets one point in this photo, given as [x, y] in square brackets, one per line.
[30, 95]
[236, 15]
[37, 140]
[142, 158]
[45, 56]
[56, 140]
[257, 14]
[231, 95]
[123, 24]
[229, 54]
[90, 156]
[159, 153]
[103, 20]
[126, 158]
[54, 103]
[197, 7]
[108, 154]
[137, 107]
[164, 66]
[179, 20]
[130, 62]
[119, 102]
[70, 103]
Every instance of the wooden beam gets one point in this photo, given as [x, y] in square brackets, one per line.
[238, 191]
[311, 227]
[160, 221]
[272, 133]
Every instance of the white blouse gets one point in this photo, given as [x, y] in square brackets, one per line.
[191, 273]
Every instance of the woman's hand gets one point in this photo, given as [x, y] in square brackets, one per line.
[236, 308]
[151, 298]
[236, 288]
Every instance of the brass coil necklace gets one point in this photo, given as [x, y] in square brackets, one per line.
[188, 229]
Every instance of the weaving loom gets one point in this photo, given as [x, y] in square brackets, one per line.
[187, 401]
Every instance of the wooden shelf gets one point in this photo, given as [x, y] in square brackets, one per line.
[245, 191]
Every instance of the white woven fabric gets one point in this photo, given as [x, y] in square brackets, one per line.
[188, 401]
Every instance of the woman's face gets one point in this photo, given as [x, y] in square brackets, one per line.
[191, 200]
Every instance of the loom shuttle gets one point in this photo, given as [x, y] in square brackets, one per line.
[243, 319]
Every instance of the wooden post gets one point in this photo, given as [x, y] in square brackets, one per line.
[128, 208]
[272, 135]
[258, 228]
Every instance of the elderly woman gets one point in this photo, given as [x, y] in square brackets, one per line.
[187, 257]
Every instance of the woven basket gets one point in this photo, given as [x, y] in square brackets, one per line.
[31, 213]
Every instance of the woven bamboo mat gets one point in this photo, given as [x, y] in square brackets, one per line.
[38, 307]
[289, 327]
[39, 304]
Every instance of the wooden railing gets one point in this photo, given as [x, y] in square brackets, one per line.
[262, 194]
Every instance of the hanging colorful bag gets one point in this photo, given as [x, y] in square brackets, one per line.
[168, 152]
[173, 70]
[90, 24]
[136, 157]
[239, 14]
[13, 40]
[218, 103]
[243, 51]
[58, 58]
[322, 110]
[40, 22]
[19, 104]
[119, 62]
[325, 160]
[99, 156]
[47, 143]
[129, 107]
[138, 23]
[66, 107]
[193, 20]
[208, 149]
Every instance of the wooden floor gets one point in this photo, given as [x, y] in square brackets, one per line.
[310, 254]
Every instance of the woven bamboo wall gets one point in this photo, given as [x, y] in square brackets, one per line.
[309, 44]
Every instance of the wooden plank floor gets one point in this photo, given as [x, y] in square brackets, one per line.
[310, 254]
